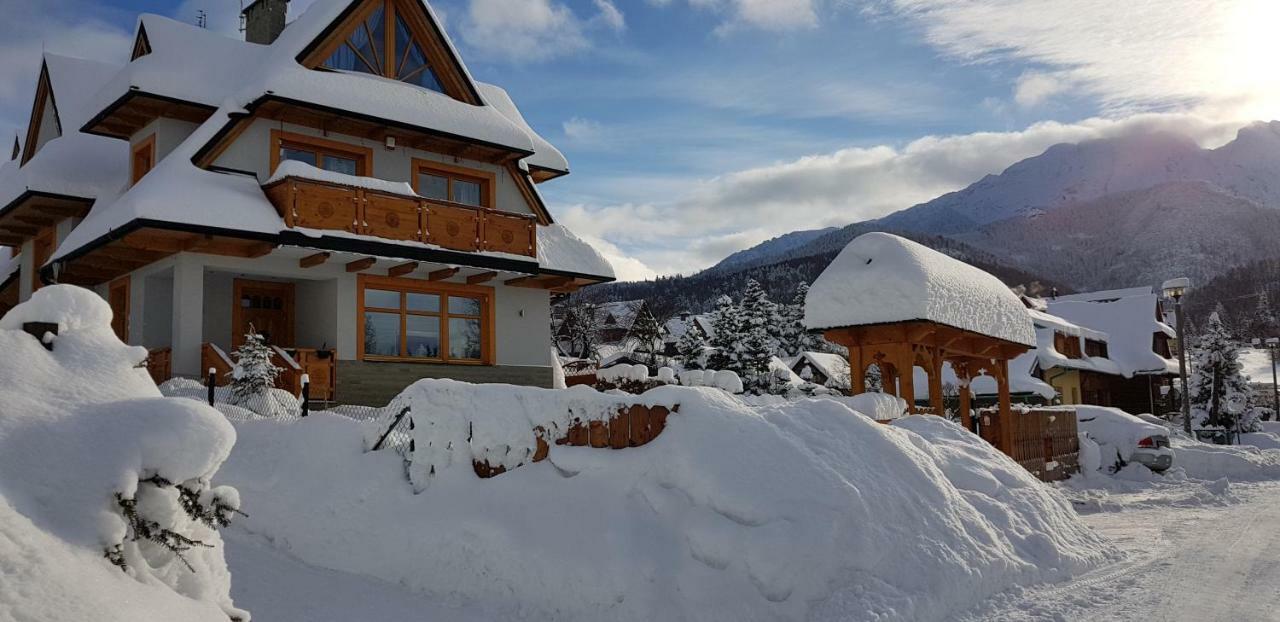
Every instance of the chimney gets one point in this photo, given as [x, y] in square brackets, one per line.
[264, 20]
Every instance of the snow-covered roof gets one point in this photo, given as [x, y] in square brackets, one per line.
[623, 312]
[1043, 319]
[1129, 322]
[1105, 295]
[881, 278]
[833, 366]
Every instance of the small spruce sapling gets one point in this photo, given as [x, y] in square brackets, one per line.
[254, 375]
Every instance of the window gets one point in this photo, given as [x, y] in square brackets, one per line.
[329, 155]
[383, 45]
[144, 158]
[454, 184]
[1067, 345]
[412, 320]
[1095, 348]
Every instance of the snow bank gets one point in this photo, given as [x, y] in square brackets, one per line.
[81, 428]
[881, 278]
[799, 510]
[1235, 462]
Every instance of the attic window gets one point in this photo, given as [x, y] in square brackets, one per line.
[366, 48]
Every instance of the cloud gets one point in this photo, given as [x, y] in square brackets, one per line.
[532, 30]
[1215, 57]
[776, 15]
[1034, 88]
[70, 27]
[730, 212]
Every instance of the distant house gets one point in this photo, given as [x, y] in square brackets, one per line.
[1137, 342]
[363, 202]
[823, 368]
[1074, 360]
[675, 328]
[615, 322]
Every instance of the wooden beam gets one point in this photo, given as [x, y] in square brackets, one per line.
[256, 250]
[311, 261]
[523, 281]
[20, 229]
[440, 275]
[361, 264]
[33, 219]
[483, 277]
[402, 269]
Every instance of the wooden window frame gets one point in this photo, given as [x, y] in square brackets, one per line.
[125, 284]
[488, 181]
[322, 146]
[488, 347]
[146, 146]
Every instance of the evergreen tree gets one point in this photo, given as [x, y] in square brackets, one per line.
[1263, 322]
[874, 380]
[581, 328]
[690, 347]
[796, 338]
[726, 329]
[254, 375]
[761, 314]
[647, 334]
[1219, 391]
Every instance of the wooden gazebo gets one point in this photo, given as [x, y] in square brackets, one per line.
[899, 305]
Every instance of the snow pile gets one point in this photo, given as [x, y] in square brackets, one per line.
[302, 170]
[624, 373]
[1116, 432]
[279, 404]
[724, 379]
[801, 510]
[881, 278]
[89, 454]
[1235, 462]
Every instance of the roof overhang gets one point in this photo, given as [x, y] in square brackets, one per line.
[23, 217]
[136, 109]
[542, 173]
[142, 242]
[331, 119]
[953, 342]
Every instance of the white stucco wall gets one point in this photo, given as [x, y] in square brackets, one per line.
[169, 134]
[252, 152]
[48, 126]
[522, 323]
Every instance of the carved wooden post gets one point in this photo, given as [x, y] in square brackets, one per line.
[935, 381]
[857, 371]
[963, 378]
[906, 377]
[1007, 423]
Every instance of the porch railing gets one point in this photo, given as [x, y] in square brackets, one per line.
[320, 365]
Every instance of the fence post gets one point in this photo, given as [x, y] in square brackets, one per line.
[306, 394]
[213, 383]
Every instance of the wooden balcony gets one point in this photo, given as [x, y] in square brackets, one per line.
[313, 204]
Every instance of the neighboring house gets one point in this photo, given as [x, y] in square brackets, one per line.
[1136, 341]
[616, 319]
[823, 368]
[676, 327]
[363, 199]
[1074, 360]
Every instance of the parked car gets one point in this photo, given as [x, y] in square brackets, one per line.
[1127, 437]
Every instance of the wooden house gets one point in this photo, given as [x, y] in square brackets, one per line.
[341, 183]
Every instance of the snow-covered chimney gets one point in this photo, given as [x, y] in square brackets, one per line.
[264, 20]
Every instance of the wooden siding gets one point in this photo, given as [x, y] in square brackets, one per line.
[1045, 442]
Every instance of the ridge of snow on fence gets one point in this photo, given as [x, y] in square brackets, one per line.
[491, 429]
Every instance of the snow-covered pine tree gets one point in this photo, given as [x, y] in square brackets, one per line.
[1219, 391]
[874, 379]
[760, 312]
[761, 329]
[1263, 322]
[795, 337]
[690, 346]
[254, 375]
[726, 329]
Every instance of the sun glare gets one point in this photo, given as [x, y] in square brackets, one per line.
[1245, 68]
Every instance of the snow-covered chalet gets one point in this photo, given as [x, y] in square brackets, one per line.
[340, 182]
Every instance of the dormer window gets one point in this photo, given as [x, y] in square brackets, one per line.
[366, 49]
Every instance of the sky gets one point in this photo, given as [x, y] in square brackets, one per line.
[696, 128]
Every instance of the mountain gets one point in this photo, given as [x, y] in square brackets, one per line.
[776, 247]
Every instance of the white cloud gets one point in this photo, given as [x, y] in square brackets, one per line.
[734, 211]
[1216, 56]
[1034, 88]
[70, 27]
[583, 131]
[778, 15]
[532, 30]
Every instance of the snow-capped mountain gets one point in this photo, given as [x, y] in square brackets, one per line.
[775, 247]
[1134, 209]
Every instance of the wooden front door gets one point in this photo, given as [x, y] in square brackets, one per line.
[268, 307]
[118, 297]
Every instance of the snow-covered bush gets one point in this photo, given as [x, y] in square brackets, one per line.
[798, 510]
[253, 381]
[107, 508]
[279, 405]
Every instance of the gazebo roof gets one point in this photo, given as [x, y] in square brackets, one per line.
[881, 278]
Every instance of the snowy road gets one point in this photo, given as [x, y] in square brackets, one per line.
[1185, 563]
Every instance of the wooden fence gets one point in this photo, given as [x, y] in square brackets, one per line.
[632, 426]
[1045, 442]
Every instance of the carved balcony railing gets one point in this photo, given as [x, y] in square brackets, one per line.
[311, 204]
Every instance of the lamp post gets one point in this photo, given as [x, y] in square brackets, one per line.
[1176, 289]
[1272, 344]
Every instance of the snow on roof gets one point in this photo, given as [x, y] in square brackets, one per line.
[1105, 295]
[295, 168]
[560, 250]
[1021, 382]
[881, 278]
[624, 312]
[833, 366]
[1049, 357]
[545, 154]
[74, 164]
[1129, 322]
[1043, 319]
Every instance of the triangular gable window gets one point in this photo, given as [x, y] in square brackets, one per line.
[365, 50]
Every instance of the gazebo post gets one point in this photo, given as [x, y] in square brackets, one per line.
[1006, 406]
[906, 377]
[857, 371]
[966, 406]
[935, 381]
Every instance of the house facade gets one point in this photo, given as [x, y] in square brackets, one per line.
[341, 183]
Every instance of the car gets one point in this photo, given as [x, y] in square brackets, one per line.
[1128, 437]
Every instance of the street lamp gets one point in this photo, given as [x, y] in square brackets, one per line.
[1176, 289]
[1272, 344]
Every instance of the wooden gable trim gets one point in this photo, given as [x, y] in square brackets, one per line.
[17, 148]
[525, 184]
[141, 44]
[440, 57]
[44, 93]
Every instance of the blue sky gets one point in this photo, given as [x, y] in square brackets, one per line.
[699, 127]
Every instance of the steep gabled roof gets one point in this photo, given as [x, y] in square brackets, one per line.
[1129, 321]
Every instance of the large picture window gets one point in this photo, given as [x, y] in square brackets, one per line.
[321, 153]
[411, 320]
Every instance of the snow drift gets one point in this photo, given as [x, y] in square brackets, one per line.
[83, 432]
[788, 511]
